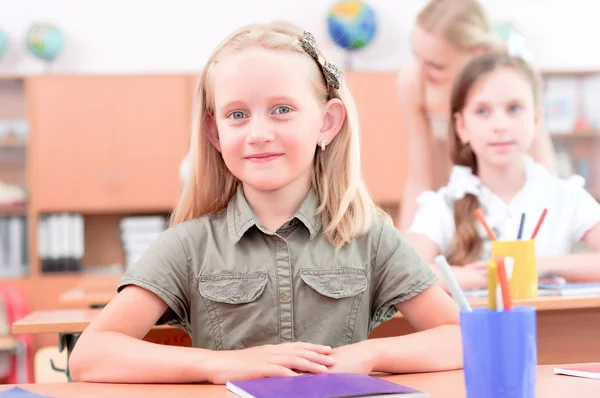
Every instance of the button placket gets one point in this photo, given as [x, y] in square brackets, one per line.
[284, 288]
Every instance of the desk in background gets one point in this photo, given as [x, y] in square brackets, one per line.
[567, 328]
[438, 385]
[85, 298]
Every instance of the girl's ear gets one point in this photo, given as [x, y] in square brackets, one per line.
[477, 51]
[333, 120]
[459, 126]
[210, 128]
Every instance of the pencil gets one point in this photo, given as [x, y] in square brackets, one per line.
[504, 286]
[492, 282]
[481, 218]
[457, 294]
[539, 224]
[520, 234]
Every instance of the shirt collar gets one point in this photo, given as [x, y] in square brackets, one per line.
[462, 181]
[240, 217]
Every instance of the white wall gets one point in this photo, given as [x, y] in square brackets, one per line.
[149, 36]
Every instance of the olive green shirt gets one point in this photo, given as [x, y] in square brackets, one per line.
[232, 284]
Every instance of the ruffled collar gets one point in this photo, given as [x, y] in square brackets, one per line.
[462, 181]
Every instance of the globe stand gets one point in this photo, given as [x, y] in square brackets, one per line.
[347, 61]
[48, 67]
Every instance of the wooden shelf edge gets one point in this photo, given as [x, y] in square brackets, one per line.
[13, 210]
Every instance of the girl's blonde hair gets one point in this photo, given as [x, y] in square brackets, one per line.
[466, 246]
[346, 208]
[464, 23]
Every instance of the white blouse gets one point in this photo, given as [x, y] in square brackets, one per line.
[572, 211]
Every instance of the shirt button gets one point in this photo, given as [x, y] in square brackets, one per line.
[284, 297]
[280, 244]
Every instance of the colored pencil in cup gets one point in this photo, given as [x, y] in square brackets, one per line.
[539, 224]
[481, 218]
[504, 285]
[509, 265]
[499, 301]
[521, 224]
[457, 294]
[492, 283]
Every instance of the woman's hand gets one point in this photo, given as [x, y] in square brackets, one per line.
[268, 361]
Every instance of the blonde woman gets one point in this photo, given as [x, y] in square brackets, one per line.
[278, 263]
[448, 34]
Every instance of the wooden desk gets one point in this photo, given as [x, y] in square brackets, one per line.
[438, 385]
[75, 322]
[82, 298]
[8, 343]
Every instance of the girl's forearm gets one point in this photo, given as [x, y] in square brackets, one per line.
[431, 350]
[583, 267]
[117, 358]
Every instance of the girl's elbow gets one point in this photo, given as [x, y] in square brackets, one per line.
[80, 361]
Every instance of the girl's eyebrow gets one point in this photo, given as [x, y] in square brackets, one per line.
[282, 99]
[231, 104]
[488, 102]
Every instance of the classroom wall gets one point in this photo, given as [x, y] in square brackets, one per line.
[149, 36]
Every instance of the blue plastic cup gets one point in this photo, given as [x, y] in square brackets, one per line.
[499, 352]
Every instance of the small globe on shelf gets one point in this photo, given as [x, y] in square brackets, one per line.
[352, 24]
[45, 41]
[505, 30]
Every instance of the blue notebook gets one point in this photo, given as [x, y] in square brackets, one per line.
[571, 289]
[18, 392]
[326, 385]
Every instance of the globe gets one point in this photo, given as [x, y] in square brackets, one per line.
[3, 42]
[45, 41]
[505, 30]
[351, 24]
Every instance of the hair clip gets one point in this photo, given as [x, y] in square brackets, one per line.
[333, 75]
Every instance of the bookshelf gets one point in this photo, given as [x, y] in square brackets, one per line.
[572, 117]
[99, 152]
[14, 197]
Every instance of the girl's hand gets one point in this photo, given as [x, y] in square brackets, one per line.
[354, 358]
[479, 266]
[268, 361]
[471, 276]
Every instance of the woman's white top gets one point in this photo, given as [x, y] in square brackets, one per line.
[184, 168]
[572, 211]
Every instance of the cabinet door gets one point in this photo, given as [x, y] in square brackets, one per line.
[383, 149]
[70, 142]
[108, 143]
[152, 119]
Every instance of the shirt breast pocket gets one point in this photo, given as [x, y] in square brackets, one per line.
[235, 306]
[331, 300]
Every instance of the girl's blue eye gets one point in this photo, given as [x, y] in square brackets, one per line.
[482, 111]
[237, 115]
[514, 108]
[282, 110]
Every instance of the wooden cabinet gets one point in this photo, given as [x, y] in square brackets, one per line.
[383, 149]
[108, 143]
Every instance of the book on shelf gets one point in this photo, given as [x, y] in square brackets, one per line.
[61, 243]
[14, 259]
